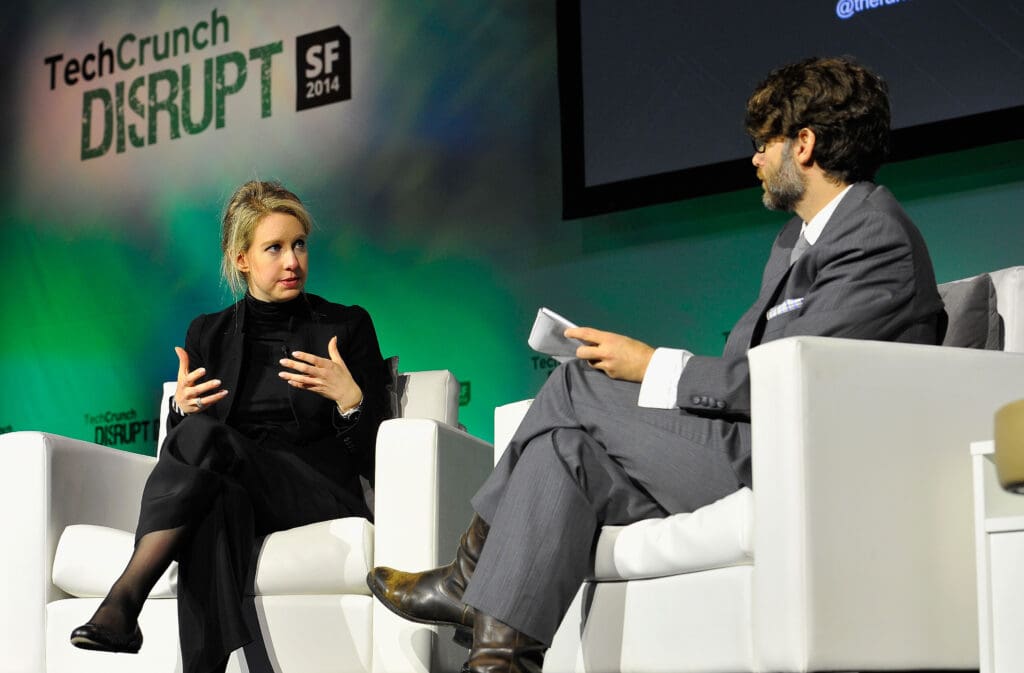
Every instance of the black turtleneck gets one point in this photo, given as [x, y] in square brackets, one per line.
[261, 403]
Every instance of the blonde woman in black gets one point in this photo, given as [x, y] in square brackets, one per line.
[274, 419]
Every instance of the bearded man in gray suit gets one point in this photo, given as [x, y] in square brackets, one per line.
[628, 432]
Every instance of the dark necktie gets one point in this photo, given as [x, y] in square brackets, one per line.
[801, 245]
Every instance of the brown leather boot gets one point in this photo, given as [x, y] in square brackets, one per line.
[435, 596]
[498, 648]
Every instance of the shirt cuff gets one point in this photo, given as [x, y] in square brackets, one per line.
[660, 386]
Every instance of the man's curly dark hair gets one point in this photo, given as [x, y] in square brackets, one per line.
[844, 103]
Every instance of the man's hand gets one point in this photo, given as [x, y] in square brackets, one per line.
[618, 356]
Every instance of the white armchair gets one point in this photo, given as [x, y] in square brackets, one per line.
[312, 607]
[855, 550]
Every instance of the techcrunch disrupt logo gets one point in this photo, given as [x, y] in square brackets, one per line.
[847, 8]
[119, 428]
[222, 76]
[189, 99]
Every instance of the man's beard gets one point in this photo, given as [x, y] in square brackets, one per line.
[785, 188]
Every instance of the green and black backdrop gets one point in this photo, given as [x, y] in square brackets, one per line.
[423, 136]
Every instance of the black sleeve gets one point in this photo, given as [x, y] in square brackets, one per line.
[195, 361]
[361, 353]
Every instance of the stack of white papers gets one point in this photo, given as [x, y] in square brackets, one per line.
[547, 336]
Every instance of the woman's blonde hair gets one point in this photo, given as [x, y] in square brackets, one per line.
[248, 206]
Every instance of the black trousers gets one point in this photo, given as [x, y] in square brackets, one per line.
[228, 490]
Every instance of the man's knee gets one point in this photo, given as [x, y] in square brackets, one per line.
[576, 369]
[576, 452]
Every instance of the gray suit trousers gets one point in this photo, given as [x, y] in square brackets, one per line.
[585, 455]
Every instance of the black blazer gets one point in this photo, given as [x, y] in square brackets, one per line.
[335, 446]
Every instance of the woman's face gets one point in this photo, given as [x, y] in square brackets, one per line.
[276, 263]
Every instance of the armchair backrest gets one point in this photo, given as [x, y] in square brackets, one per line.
[429, 394]
[1009, 284]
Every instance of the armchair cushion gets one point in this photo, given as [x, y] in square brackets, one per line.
[328, 557]
[717, 535]
[90, 558]
[973, 319]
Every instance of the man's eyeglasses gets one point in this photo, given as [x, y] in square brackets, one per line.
[761, 145]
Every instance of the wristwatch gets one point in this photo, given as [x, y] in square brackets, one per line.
[352, 414]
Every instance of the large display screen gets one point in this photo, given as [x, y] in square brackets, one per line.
[653, 93]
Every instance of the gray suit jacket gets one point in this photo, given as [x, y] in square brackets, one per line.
[868, 276]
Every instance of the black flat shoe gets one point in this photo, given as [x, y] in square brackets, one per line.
[91, 636]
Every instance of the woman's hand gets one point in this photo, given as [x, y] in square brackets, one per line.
[327, 377]
[620, 357]
[190, 395]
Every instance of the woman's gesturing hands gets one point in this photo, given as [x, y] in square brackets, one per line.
[190, 395]
[327, 377]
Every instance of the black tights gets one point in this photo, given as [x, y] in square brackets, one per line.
[154, 552]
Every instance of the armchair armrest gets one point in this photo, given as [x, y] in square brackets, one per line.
[426, 473]
[862, 498]
[47, 483]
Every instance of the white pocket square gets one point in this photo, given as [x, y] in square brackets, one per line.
[785, 307]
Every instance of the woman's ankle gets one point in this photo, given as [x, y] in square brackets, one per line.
[114, 617]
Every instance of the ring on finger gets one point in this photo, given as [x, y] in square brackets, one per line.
[199, 403]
